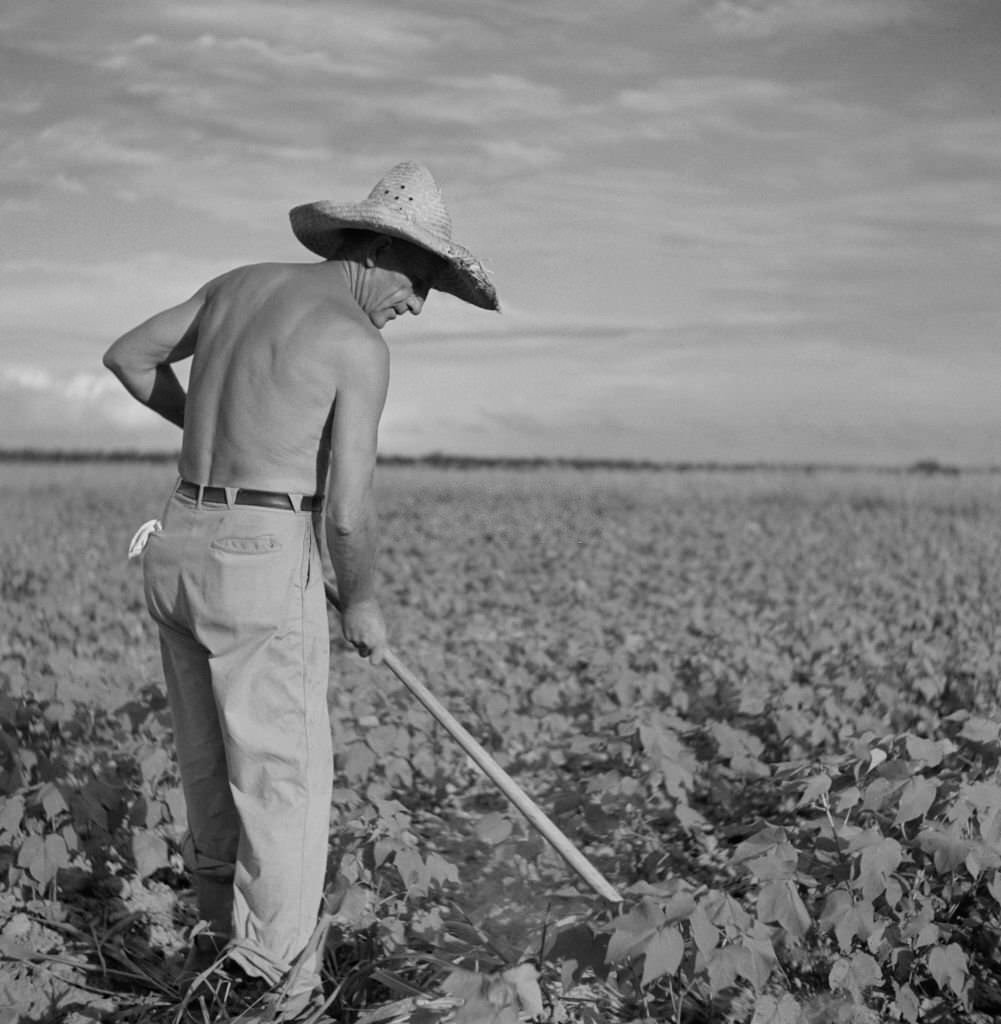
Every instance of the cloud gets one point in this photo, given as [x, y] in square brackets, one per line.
[976, 138]
[27, 101]
[80, 410]
[66, 313]
[207, 106]
[654, 397]
[714, 101]
[640, 395]
[377, 34]
[485, 99]
[511, 153]
[740, 175]
[85, 145]
[762, 18]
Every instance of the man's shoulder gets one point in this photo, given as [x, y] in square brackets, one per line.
[360, 348]
[266, 273]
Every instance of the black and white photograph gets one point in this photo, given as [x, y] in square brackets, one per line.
[500, 512]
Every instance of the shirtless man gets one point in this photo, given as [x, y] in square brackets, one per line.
[288, 379]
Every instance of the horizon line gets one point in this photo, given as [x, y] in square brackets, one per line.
[926, 466]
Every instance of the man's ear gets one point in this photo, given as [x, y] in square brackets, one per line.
[375, 247]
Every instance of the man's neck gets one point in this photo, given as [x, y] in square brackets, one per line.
[353, 276]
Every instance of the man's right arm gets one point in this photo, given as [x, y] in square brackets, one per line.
[350, 517]
[141, 358]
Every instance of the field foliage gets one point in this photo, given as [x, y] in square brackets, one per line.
[764, 705]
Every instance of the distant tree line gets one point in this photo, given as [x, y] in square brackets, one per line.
[84, 455]
[440, 460]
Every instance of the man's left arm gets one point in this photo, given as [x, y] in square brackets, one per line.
[141, 358]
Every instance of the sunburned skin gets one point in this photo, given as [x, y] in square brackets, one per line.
[288, 366]
[274, 342]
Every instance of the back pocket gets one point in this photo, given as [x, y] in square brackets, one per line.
[265, 544]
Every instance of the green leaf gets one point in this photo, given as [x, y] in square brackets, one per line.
[855, 974]
[149, 851]
[949, 967]
[382, 850]
[981, 857]
[722, 968]
[768, 854]
[11, 816]
[846, 799]
[633, 929]
[837, 905]
[494, 999]
[985, 796]
[916, 798]
[52, 800]
[816, 787]
[387, 739]
[758, 959]
[153, 766]
[705, 933]
[43, 856]
[525, 980]
[58, 712]
[360, 761]
[877, 793]
[779, 902]
[928, 752]
[412, 870]
[493, 828]
[742, 749]
[440, 870]
[858, 923]
[355, 908]
[980, 730]
[678, 907]
[949, 851]
[908, 1004]
[725, 912]
[471, 988]
[664, 952]
[876, 863]
[770, 1010]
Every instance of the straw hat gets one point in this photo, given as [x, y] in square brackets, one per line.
[408, 204]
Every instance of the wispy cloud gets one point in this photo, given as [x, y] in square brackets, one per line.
[702, 217]
[760, 18]
[85, 410]
[644, 396]
[48, 307]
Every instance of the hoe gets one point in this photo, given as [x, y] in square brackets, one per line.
[493, 771]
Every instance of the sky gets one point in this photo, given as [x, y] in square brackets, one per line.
[720, 230]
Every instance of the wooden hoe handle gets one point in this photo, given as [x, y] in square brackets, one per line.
[515, 794]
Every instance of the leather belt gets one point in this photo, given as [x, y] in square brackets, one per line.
[245, 496]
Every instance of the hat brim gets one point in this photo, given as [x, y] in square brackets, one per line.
[316, 225]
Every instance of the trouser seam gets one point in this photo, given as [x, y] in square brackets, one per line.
[304, 677]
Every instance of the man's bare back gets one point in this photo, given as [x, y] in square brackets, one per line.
[272, 342]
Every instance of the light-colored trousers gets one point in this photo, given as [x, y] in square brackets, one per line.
[237, 593]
